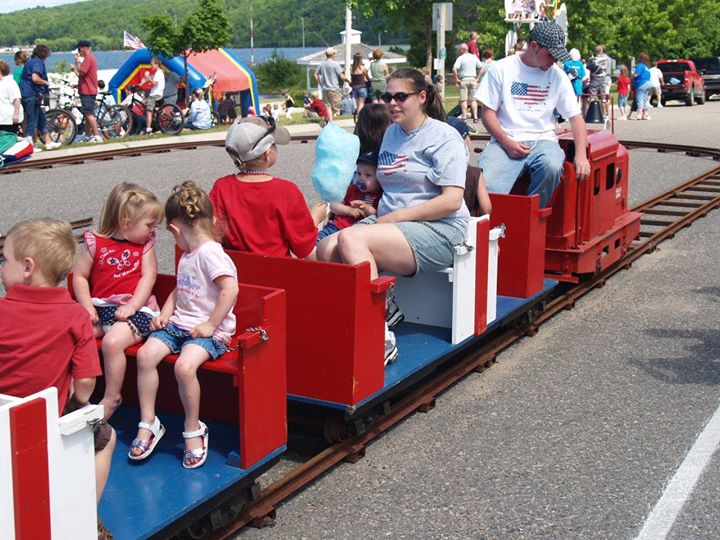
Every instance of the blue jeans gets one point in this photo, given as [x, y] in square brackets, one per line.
[641, 96]
[544, 163]
[34, 117]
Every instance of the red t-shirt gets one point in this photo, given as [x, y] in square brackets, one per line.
[117, 264]
[269, 218]
[473, 48]
[354, 194]
[623, 86]
[46, 340]
[318, 106]
[87, 79]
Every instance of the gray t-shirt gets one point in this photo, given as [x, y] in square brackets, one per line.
[329, 72]
[413, 166]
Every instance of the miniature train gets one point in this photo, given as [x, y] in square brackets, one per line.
[299, 350]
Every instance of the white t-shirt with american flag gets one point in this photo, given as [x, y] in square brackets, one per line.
[525, 98]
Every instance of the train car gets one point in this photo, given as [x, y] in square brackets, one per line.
[324, 353]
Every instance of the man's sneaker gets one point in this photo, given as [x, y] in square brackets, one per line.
[147, 132]
[52, 145]
[36, 149]
[391, 354]
[95, 139]
[393, 314]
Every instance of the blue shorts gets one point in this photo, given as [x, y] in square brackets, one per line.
[432, 242]
[327, 230]
[176, 338]
[139, 322]
[622, 100]
[87, 103]
[361, 92]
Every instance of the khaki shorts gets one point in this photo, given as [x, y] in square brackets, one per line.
[468, 86]
[332, 98]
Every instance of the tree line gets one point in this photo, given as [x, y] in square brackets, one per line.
[669, 29]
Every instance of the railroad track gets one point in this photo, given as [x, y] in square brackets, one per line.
[666, 214]
[161, 148]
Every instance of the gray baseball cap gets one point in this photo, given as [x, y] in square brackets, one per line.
[549, 35]
[250, 137]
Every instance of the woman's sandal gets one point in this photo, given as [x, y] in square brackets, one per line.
[147, 447]
[198, 453]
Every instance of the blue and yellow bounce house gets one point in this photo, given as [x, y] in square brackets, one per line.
[231, 75]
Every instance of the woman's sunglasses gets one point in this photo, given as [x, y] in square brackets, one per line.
[270, 121]
[399, 97]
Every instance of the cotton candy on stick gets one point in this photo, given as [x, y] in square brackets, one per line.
[336, 152]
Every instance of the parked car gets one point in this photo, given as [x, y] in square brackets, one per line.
[682, 82]
[709, 67]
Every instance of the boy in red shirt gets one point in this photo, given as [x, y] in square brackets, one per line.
[47, 339]
[318, 107]
[361, 199]
[256, 211]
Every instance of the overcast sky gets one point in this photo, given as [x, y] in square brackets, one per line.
[13, 5]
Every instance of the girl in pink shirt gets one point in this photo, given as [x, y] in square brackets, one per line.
[196, 321]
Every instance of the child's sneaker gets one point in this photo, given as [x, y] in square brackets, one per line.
[391, 354]
[393, 314]
[52, 145]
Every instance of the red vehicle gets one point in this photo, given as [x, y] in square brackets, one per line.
[683, 82]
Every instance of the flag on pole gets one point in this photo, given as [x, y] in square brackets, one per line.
[132, 42]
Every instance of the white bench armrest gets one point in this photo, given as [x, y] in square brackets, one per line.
[78, 420]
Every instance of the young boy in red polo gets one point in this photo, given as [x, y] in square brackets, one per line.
[47, 339]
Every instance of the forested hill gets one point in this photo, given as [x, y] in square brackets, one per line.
[277, 23]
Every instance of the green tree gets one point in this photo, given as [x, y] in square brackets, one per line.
[205, 28]
[278, 73]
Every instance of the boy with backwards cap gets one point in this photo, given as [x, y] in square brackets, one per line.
[256, 211]
[519, 95]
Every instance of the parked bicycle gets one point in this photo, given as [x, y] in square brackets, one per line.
[167, 118]
[66, 121]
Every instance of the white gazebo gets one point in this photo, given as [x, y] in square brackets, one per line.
[356, 46]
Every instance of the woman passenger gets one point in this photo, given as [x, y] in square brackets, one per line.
[422, 214]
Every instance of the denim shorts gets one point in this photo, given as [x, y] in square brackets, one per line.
[87, 102]
[432, 242]
[175, 343]
[622, 101]
[327, 230]
[361, 92]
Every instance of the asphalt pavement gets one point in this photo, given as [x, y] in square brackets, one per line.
[574, 433]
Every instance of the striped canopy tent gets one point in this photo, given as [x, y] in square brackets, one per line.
[231, 75]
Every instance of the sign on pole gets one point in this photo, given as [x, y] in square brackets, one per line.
[447, 10]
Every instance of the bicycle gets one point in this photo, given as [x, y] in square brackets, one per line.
[167, 118]
[66, 121]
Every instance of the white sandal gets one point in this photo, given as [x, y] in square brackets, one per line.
[147, 447]
[198, 453]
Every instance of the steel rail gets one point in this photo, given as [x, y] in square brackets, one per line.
[109, 154]
[423, 398]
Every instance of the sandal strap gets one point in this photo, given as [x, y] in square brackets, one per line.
[142, 445]
[196, 453]
[197, 433]
[153, 428]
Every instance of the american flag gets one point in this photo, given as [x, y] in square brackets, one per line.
[389, 163]
[528, 93]
[132, 42]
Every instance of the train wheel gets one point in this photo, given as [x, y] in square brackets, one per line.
[334, 430]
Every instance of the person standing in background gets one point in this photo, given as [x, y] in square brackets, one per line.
[85, 68]
[472, 44]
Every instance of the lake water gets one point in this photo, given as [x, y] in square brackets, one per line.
[115, 59]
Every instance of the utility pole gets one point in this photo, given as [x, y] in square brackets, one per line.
[252, 43]
[302, 21]
[348, 46]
